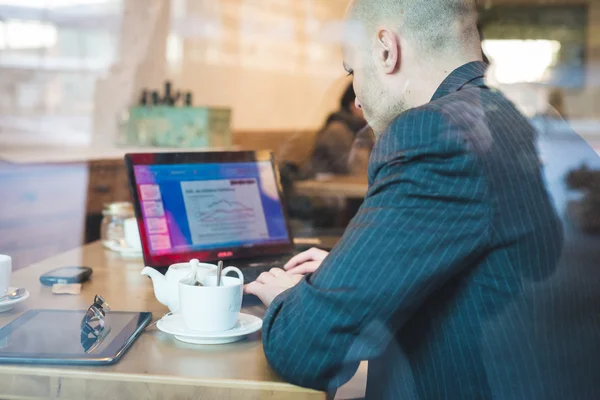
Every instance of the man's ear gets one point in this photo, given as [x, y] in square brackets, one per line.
[388, 51]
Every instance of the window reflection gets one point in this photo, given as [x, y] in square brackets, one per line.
[515, 61]
[51, 55]
[19, 35]
[50, 4]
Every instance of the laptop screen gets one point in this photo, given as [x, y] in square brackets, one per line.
[209, 210]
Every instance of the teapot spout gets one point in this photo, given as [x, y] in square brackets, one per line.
[161, 289]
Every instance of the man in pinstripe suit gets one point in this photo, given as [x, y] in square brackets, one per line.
[444, 280]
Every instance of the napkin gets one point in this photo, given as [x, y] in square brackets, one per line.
[66, 288]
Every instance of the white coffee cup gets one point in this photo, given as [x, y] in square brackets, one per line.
[5, 271]
[132, 234]
[212, 308]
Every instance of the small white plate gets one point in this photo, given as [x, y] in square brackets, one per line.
[173, 325]
[7, 305]
[128, 252]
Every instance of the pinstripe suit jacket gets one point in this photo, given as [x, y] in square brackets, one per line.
[432, 280]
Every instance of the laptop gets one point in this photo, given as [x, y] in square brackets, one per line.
[210, 206]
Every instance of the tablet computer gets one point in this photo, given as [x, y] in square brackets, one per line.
[55, 337]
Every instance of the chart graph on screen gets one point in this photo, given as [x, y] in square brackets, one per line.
[224, 211]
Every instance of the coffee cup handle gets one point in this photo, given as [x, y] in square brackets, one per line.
[236, 270]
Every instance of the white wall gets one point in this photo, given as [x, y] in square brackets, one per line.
[276, 63]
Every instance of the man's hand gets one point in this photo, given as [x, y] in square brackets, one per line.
[271, 284]
[306, 262]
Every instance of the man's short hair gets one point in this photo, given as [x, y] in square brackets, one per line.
[426, 22]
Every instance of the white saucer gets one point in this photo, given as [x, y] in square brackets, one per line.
[173, 325]
[128, 252]
[7, 305]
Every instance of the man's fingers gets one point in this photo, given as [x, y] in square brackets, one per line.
[268, 286]
[266, 278]
[252, 288]
[277, 272]
[300, 258]
[259, 290]
[306, 268]
[308, 255]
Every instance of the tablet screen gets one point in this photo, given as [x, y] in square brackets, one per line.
[56, 335]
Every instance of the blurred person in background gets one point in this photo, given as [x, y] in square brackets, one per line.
[341, 147]
[358, 160]
[333, 143]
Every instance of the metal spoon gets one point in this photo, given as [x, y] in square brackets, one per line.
[219, 272]
[14, 294]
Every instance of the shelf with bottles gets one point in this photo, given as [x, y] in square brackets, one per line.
[170, 120]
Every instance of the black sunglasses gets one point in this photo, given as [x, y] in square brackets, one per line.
[93, 320]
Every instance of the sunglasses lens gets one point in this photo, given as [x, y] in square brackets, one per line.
[94, 319]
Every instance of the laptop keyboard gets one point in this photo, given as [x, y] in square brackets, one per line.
[251, 273]
[252, 270]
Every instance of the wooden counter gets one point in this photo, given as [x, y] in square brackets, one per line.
[157, 365]
[72, 154]
[350, 187]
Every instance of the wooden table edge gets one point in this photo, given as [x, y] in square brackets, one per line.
[61, 372]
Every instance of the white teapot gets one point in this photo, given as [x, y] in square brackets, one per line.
[166, 287]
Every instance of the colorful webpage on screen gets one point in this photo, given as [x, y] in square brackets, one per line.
[210, 206]
[220, 210]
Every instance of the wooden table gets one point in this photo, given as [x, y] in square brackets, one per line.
[335, 192]
[156, 366]
[69, 154]
[349, 187]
